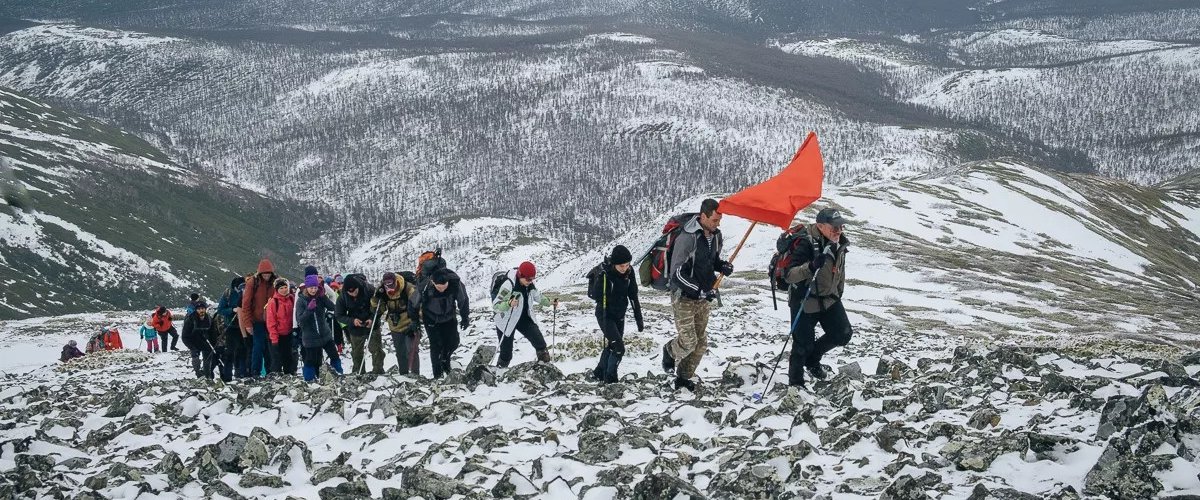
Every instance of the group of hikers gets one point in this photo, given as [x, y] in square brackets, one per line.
[263, 324]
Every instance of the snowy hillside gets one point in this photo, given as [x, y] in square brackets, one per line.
[109, 221]
[1001, 349]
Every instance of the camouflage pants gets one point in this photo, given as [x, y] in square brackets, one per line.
[691, 322]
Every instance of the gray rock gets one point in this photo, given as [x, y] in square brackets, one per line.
[618, 475]
[490, 438]
[336, 470]
[665, 486]
[417, 481]
[349, 490]
[597, 446]
[596, 418]
[905, 488]
[226, 452]
[931, 397]
[450, 410]
[839, 438]
[122, 404]
[255, 480]
[214, 488]
[1120, 412]
[479, 370]
[1053, 383]
[373, 433]
[945, 429]
[761, 483]
[1118, 473]
[207, 467]
[40, 463]
[982, 492]
[543, 373]
[177, 473]
[383, 404]
[254, 453]
[75, 463]
[971, 455]
[984, 417]
[851, 371]
[412, 416]
[280, 459]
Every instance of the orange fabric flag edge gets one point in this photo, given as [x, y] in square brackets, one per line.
[777, 200]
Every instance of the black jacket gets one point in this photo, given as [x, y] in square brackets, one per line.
[441, 307]
[614, 292]
[350, 308]
[196, 328]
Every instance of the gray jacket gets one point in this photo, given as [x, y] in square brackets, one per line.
[694, 260]
[315, 330]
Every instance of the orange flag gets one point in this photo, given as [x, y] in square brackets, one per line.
[778, 199]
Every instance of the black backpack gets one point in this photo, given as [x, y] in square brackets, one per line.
[498, 279]
[793, 246]
[595, 279]
[652, 269]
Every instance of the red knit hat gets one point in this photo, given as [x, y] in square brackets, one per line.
[526, 270]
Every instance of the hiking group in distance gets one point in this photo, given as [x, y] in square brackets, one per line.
[264, 325]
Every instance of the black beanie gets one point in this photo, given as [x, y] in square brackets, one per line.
[441, 276]
[310, 270]
[620, 255]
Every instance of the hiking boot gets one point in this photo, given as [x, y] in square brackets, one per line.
[543, 356]
[685, 384]
[668, 362]
[817, 371]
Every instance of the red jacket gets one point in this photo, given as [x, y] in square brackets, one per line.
[161, 323]
[112, 340]
[280, 311]
[258, 291]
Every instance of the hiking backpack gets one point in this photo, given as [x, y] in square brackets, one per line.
[788, 252]
[652, 270]
[427, 263]
[498, 279]
[595, 277]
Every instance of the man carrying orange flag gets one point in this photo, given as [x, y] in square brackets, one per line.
[694, 261]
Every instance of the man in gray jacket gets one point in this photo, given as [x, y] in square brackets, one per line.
[824, 272]
[695, 260]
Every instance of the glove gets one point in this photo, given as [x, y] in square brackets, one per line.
[817, 263]
[465, 323]
[708, 295]
[380, 292]
[725, 267]
[312, 305]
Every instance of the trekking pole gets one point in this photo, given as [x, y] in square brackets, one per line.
[554, 325]
[374, 319]
[213, 350]
[779, 359]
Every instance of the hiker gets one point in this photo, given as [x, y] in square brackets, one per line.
[353, 309]
[316, 334]
[339, 337]
[95, 343]
[191, 305]
[112, 338]
[695, 260]
[160, 319]
[280, 315]
[614, 287]
[236, 360]
[150, 335]
[824, 272]
[70, 351]
[251, 318]
[514, 313]
[391, 300]
[438, 301]
[201, 333]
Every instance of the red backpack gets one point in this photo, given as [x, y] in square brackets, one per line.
[652, 269]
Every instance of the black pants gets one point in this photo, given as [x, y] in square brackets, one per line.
[339, 337]
[203, 356]
[312, 357]
[408, 351]
[443, 341]
[531, 332]
[806, 351]
[614, 349]
[237, 354]
[174, 334]
[283, 356]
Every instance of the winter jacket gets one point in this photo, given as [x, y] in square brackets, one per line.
[327, 291]
[196, 328]
[280, 312]
[112, 340]
[161, 322]
[147, 332]
[258, 291]
[349, 308]
[437, 307]
[694, 260]
[831, 277]
[70, 352]
[616, 292]
[506, 318]
[230, 299]
[314, 330]
[395, 310]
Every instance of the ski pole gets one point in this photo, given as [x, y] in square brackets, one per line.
[374, 319]
[554, 325]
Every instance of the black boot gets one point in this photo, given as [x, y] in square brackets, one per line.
[685, 384]
[817, 371]
[543, 356]
[196, 367]
[668, 362]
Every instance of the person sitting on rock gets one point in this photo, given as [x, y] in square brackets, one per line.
[70, 351]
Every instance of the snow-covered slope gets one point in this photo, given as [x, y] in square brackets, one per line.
[98, 218]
